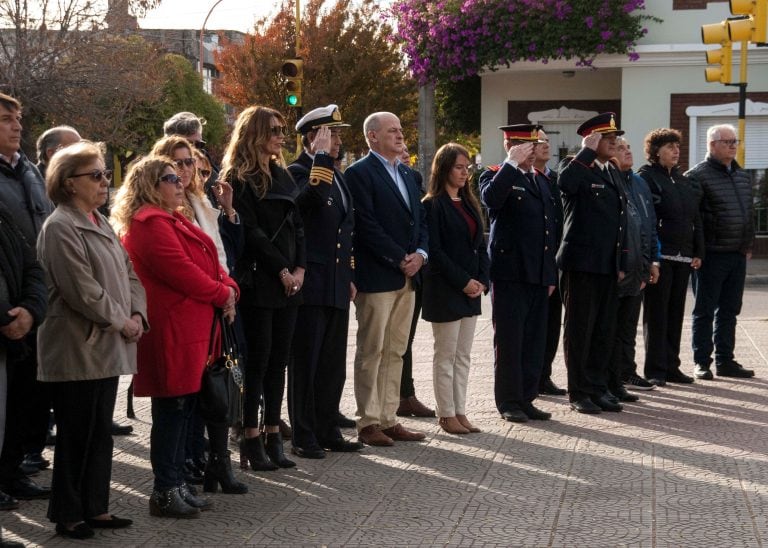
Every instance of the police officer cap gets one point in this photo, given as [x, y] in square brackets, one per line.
[602, 123]
[522, 132]
[322, 116]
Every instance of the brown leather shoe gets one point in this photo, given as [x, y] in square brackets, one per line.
[372, 435]
[399, 433]
[464, 421]
[452, 425]
[412, 407]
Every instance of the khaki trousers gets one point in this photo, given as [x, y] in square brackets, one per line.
[383, 321]
[450, 364]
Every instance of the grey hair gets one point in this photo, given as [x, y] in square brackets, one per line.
[183, 123]
[51, 138]
[373, 123]
[713, 133]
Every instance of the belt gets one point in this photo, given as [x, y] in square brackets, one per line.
[677, 258]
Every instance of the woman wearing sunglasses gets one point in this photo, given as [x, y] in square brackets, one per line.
[270, 271]
[97, 313]
[179, 267]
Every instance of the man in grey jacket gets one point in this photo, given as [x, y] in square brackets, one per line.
[718, 286]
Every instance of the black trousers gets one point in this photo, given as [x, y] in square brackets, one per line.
[590, 302]
[663, 313]
[554, 323]
[519, 324]
[318, 372]
[622, 363]
[82, 465]
[170, 420]
[407, 389]
[269, 332]
[24, 420]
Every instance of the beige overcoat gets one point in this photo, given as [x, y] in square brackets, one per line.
[92, 291]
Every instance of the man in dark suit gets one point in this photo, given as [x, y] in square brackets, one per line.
[390, 249]
[319, 363]
[523, 273]
[542, 155]
[593, 259]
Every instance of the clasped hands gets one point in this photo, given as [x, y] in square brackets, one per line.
[133, 329]
[411, 264]
[473, 288]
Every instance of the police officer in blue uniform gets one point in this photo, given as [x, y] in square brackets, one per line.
[593, 259]
[320, 339]
[523, 274]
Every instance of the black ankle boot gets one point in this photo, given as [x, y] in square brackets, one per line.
[218, 470]
[253, 451]
[274, 448]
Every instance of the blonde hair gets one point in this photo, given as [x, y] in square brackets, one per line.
[138, 189]
[166, 147]
[64, 164]
[245, 157]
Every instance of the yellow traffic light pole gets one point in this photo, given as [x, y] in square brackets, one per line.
[740, 154]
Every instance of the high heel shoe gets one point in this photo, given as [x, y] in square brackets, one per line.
[452, 425]
[218, 471]
[253, 451]
[274, 447]
[466, 424]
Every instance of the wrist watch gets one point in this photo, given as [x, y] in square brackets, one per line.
[322, 152]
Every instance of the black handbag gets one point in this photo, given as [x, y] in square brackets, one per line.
[221, 393]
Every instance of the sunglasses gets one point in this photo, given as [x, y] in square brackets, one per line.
[204, 172]
[96, 175]
[170, 178]
[184, 162]
[199, 144]
[277, 130]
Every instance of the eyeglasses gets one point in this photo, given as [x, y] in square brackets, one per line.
[189, 162]
[204, 173]
[277, 130]
[729, 142]
[170, 178]
[96, 175]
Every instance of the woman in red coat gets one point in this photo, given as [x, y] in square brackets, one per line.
[180, 270]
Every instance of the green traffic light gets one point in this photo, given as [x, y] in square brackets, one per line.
[292, 100]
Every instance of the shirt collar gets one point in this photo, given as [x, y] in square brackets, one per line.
[13, 160]
[384, 160]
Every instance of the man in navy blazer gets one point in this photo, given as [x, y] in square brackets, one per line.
[523, 272]
[318, 371]
[390, 249]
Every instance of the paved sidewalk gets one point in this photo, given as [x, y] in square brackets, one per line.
[686, 466]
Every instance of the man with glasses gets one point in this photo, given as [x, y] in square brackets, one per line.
[718, 286]
[523, 274]
[592, 257]
[22, 192]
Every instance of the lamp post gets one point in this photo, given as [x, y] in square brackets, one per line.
[202, 31]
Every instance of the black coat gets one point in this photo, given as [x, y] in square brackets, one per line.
[523, 238]
[727, 209]
[386, 229]
[454, 258]
[22, 190]
[595, 222]
[328, 229]
[676, 202]
[22, 277]
[273, 239]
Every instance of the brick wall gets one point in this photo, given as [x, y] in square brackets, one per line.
[693, 4]
[680, 121]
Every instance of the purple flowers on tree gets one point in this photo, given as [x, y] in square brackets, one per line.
[453, 39]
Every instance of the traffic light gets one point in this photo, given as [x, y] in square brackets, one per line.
[717, 33]
[753, 27]
[293, 71]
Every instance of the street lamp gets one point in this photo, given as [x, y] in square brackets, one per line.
[202, 31]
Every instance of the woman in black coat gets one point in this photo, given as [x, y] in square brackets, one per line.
[456, 277]
[269, 270]
[678, 225]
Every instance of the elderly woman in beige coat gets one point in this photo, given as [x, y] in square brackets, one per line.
[97, 314]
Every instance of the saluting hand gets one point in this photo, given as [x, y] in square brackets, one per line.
[592, 140]
[520, 153]
[322, 139]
